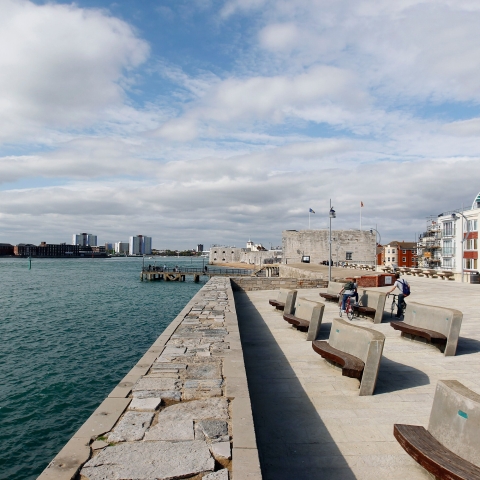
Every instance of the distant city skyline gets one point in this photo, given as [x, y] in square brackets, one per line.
[215, 121]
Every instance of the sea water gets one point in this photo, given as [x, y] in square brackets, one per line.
[70, 329]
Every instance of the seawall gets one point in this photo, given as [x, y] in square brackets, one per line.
[183, 410]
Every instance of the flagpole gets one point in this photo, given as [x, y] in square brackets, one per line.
[309, 219]
[360, 217]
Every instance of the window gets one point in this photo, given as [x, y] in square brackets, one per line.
[393, 259]
[448, 229]
[388, 258]
[447, 263]
[471, 244]
[472, 225]
[393, 250]
[404, 252]
[404, 259]
[448, 247]
[388, 251]
[470, 263]
[348, 255]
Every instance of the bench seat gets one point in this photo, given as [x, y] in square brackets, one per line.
[432, 455]
[328, 296]
[430, 335]
[351, 366]
[360, 309]
[298, 323]
[278, 305]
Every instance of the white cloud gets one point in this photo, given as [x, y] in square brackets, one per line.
[64, 66]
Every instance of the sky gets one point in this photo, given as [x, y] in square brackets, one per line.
[219, 121]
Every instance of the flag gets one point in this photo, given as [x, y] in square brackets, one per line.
[311, 211]
[361, 204]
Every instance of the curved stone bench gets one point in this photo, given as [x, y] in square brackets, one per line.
[307, 317]
[363, 344]
[285, 300]
[438, 325]
[449, 448]
[372, 304]
[333, 291]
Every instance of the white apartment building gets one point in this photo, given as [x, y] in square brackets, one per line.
[140, 245]
[122, 247]
[459, 239]
[84, 239]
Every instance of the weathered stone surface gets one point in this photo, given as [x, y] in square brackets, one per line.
[221, 450]
[213, 430]
[184, 414]
[145, 404]
[220, 475]
[165, 395]
[172, 430]
[207, 370]
[196, 393]
[152, 383]
[150, 460]
[131, 427]
[214, 383]
[98, 445]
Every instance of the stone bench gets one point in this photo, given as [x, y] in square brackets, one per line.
[372, 304]
[450, 447]
[357, 350]
[333, 291]
[285, 300]
[439, 326]
[307, 317]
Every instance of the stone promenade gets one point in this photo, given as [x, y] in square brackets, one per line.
[310, 422]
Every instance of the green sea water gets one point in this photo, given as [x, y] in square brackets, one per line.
[69, 331]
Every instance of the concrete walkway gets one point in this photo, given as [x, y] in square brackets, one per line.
[310, 422]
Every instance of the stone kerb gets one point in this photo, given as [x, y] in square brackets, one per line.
[183, 410]
[447, 321]
[455, 419]
[313, 313]
[376, 300]
[363, 343]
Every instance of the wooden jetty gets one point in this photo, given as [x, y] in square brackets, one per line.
[169, 274]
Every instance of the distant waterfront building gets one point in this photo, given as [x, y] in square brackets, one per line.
[121, 247]
[61, 250]
[140, 245]
[399, 254]
[258, 256]
[85, 240]
[109, 246]
[6, 249]
[450, 241]
[199, 248]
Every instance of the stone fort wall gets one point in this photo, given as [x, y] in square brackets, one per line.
[353, 246]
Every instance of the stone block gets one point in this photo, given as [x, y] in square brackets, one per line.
[203, 371]
[145, 404]
[170, 395]
[171, 430]
[211, 430]
[131, 427]
[220, 475]
[148, 460]
[157, 384]
[221, 450]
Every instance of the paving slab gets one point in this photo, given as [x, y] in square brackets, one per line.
[150, 460]
[307, 415]
[131, 427]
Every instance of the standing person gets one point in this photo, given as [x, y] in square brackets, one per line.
[403, 291]
[348, 290]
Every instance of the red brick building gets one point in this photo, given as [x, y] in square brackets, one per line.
[400, 254]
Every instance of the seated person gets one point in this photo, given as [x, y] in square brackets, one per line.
[349, 290]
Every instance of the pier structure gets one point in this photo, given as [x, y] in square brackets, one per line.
[183, 411]
[172, 274]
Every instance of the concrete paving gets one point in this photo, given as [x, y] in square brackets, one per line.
[309, 420]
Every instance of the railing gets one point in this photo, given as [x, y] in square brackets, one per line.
[201, 271]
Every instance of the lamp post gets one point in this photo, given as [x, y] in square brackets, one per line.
[380, 242]
[454, 217]
[331, 215]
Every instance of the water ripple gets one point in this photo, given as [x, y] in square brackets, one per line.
[70, 330]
